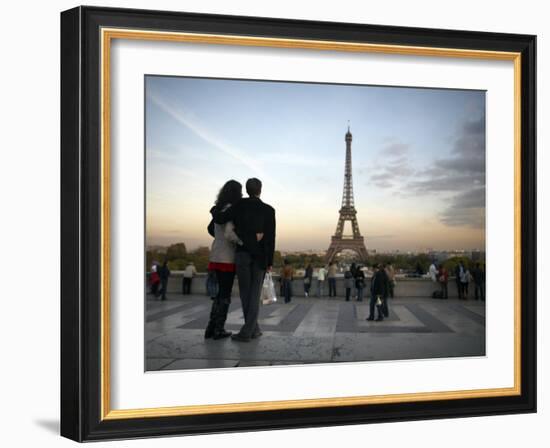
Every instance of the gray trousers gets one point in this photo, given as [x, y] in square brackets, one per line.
[250, 278]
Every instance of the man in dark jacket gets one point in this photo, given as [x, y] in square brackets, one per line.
[164, 273]
[379, 290]
[254, 223]
[477, 275]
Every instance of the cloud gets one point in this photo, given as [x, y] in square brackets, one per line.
[471, 140]
[384, 184]
[463, 173]
[458, 179]
[396, 149]
[393, 165]
[378, 177]
[463, 165]
[470, 199]
[445, 183]
[466, 209]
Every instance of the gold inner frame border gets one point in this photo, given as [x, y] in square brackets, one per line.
[107, 35]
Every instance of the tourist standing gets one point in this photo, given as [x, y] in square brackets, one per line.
[390, 272]
[373, 298]
[286, 277]
[353, 270]
[321, 277]
[222, 261]
[443, 281]
[188, 274]
[154, 278]
[164, 273]
[348, 283]
[379, 294]
[459, 271]
[465, 281]
[477, 276]
[359, 283]
[332, 268]
[308, 279]
[432, 272]
[255, 226]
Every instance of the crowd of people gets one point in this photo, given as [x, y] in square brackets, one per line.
[158, 279]
[355, 282]
[244, 242]
[465, 278]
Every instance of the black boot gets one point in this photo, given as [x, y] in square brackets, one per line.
[209, 332]
[221, 317]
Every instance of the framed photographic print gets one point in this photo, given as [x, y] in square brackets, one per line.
[273, 223]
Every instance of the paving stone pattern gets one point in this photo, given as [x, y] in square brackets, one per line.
[312, 330]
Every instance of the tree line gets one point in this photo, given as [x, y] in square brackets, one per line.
[178, 257]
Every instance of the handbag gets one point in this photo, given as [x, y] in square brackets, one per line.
[378, 301]
[268, 290]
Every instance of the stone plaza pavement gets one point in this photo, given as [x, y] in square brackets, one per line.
[312, 330]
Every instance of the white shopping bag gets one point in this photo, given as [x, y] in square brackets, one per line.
[268, 290]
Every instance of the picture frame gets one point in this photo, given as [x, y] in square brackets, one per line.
[86, 37]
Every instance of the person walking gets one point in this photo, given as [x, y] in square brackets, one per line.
[308, 279]
[379, 294]
[432, 273]
[286, 277]
[373, 299]
[348, 283]
[281, 283]
[154, 279]
[390, 272]
[321, 277]
[459, 270]
[443, 281]
[359, 283]
[477, 276]
[465, 281]
[221, 261]
[254, 222]
[332, 268]
[188, 274]
[164, 273]
[353, 270]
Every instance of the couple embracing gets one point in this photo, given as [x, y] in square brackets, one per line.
[244, 243]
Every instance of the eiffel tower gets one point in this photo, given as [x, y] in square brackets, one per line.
[339, 241]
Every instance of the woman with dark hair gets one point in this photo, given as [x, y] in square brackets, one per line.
[222, 260]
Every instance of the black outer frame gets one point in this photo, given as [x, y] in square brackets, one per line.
[80, 223]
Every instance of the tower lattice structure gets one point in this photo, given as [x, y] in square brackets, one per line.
[355, 241]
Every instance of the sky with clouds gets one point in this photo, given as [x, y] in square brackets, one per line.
[418, 160]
